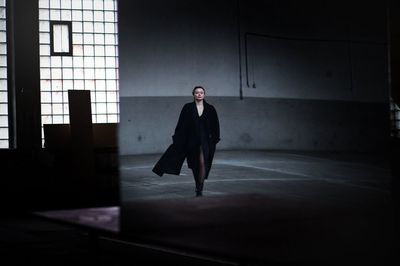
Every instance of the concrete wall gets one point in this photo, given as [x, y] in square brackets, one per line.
[313, 76]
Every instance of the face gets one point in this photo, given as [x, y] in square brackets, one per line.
[199, 94]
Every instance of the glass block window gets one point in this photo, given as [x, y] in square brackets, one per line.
[4, 142]
[91, 65]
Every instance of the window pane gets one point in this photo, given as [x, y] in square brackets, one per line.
[3, 61]
[3, 49]
[100, 85]
[110, 62]
[3, 133]
[88, 38]
[56, 61]
[66, 15]
[67, 61]
[100, 73]
[110, 74]
[45, 97]
[79, 85]
[57, 109]
[76, 4]
[55, 4]
[78, 61]
[98, 16]
[67, 85]
[87, 15]
[77, 49]
[44, 38]
[88, 50]
[109, 16]
[101, 96]
[3, 74]
[99, 39]
[89, 73]
[4, 144]
[78, 73]
[76, 15]
[58, 119]
[108, 5]
[87, 4]
[3, 109]
[46, 109]
[89, 62]
[56, 73]
[98, 5]
[112, 118]
[56, 85]
[77, 38]
[55, 15]
[66, 4]
[3, 84]
[77, 27]
[57, 97]
[100, 62]
[111, 97]
[109, 39]
[99, 27]
[46, 119]
[101, 118]
[110, 50]
[44, 61]
[89, 85]
[112, 108]
[44, 14]
[45, 85]
[3, 97]
[99, 50]
[43, 3]
[67, 73]
[88, 27]
[44, 49]
[44, 26]
[111, 85]
[45, 73]
[101, 108]
[109, 27]
[3, 121]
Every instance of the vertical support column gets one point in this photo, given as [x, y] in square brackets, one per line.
[394, 78]
[25, 74]
[394, 49]
[82, 143]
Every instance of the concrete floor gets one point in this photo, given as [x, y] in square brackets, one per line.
[267, 208]
[278, 174]
[258, 208]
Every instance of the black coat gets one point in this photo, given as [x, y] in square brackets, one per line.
[186, 140]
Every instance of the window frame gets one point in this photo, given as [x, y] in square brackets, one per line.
[63, 23]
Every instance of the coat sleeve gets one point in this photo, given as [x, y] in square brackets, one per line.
[216, 135]
[179, 136]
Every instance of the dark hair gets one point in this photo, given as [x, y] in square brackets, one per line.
[198, 87]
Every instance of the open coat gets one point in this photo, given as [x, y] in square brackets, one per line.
[185, 141]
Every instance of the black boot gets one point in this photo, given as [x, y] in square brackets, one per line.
[199, 189]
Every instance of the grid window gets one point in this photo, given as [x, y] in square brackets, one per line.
[4, 127]
[92, 64]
